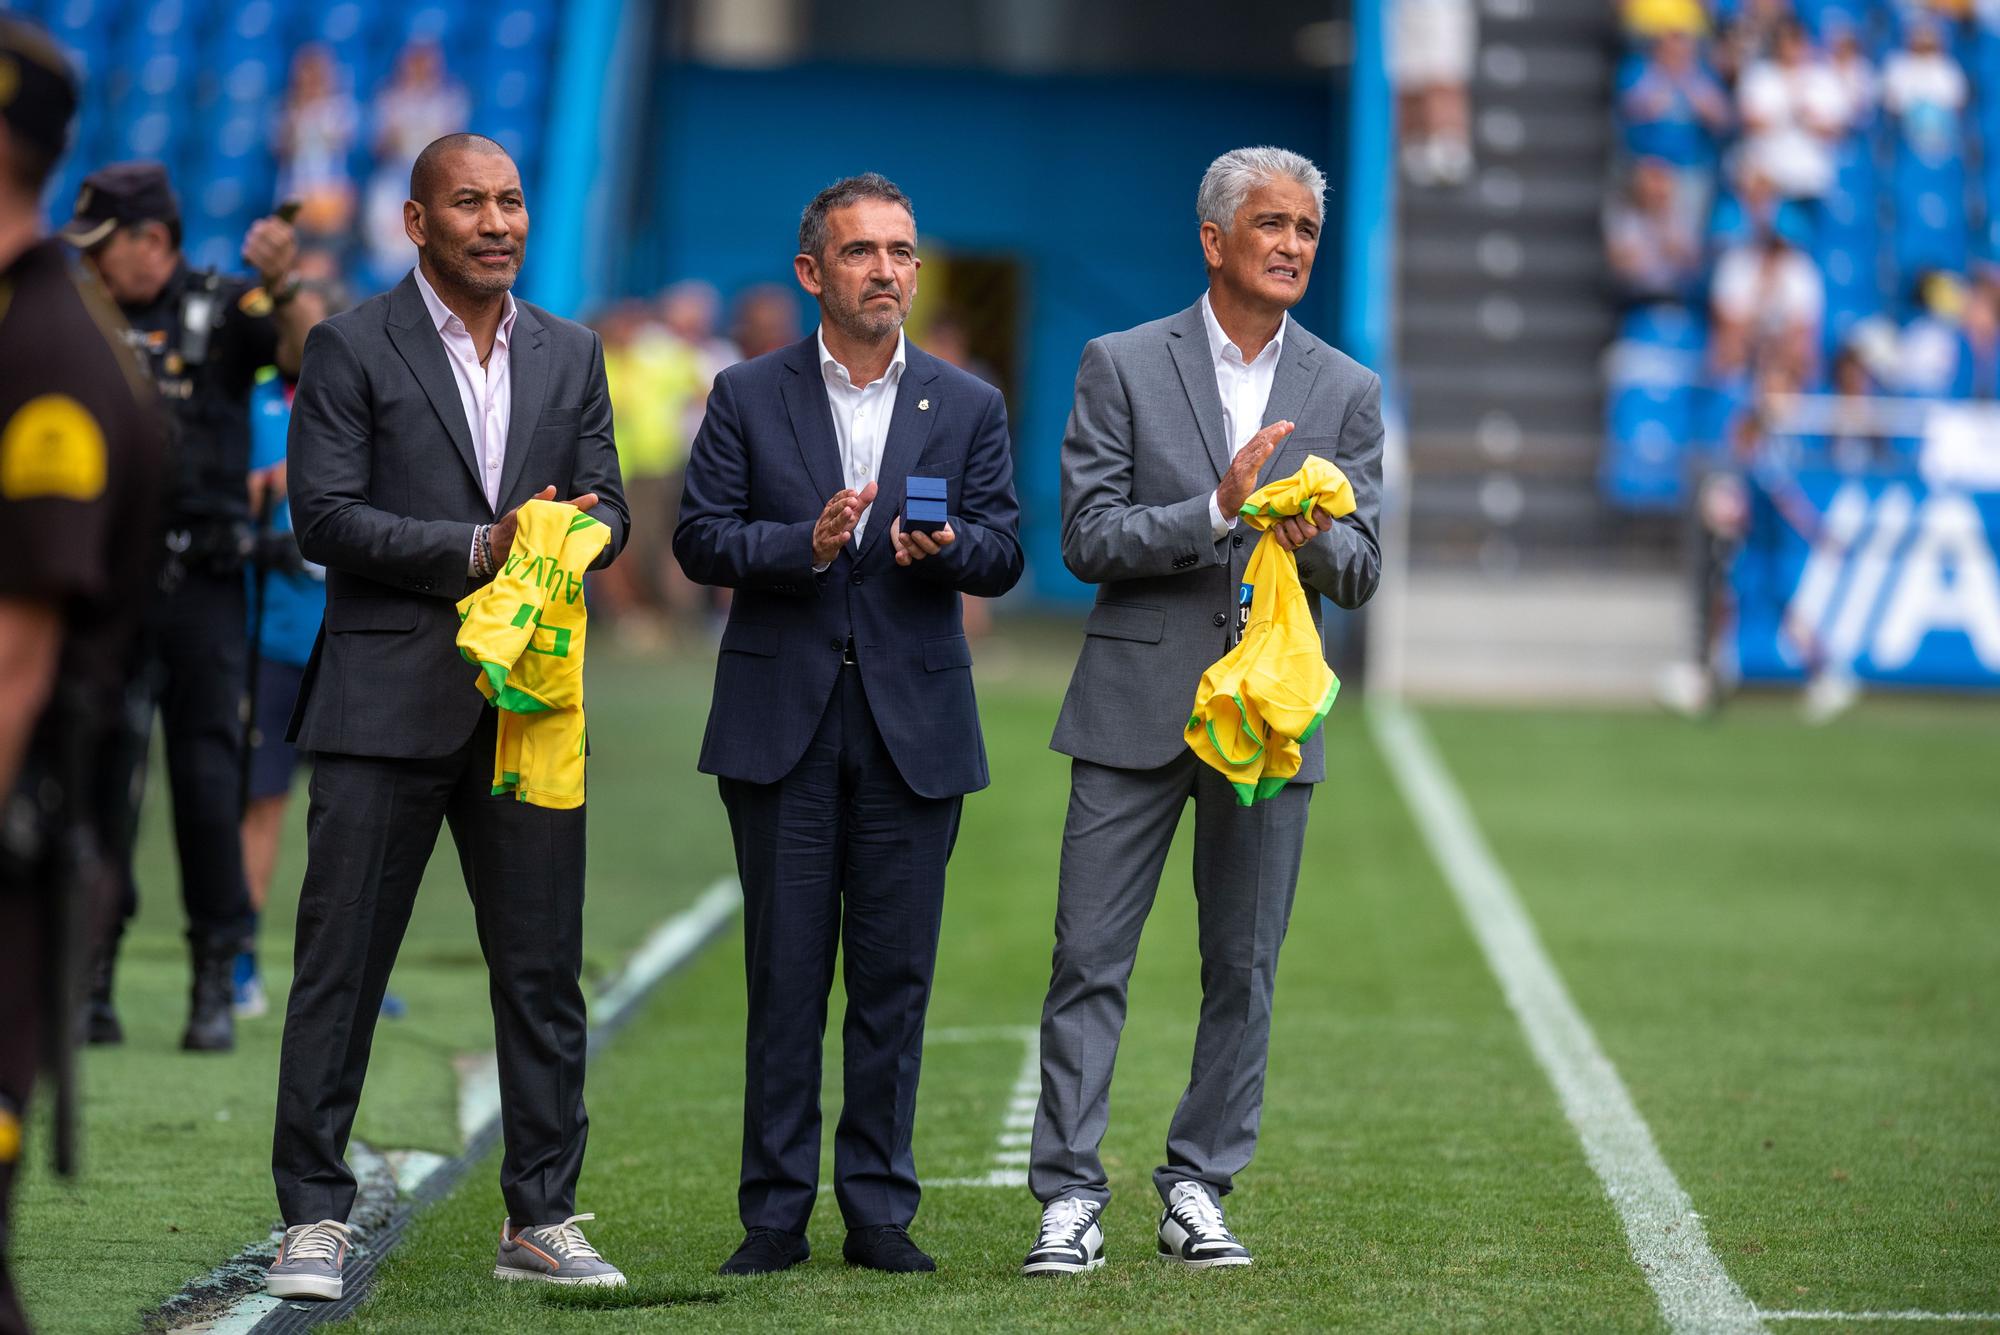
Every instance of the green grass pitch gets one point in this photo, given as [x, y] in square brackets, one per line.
[1787, 940]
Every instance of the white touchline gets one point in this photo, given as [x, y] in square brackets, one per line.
[1666, 1236]
[669, 945]
[1009, 1164]
[1880, 1316]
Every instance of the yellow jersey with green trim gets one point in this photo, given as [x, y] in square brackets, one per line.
[1258, 704]
[526, 633]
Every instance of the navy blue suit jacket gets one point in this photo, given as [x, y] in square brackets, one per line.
[761, 470]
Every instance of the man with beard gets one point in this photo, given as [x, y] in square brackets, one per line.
[844, 732]
[423, 419]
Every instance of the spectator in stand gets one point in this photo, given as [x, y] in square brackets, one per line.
[316, 128]
[1795, 111]
[1750, 35]
[1674, 110]
[690, 309]
[1924, 90]
[1432, 43]
[1747, 211]
[767, 318]
[421, 104]
[1767, 304]
[1655, 252]
[1952, 348]
[1855, 71]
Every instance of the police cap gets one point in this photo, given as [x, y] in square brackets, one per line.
[118, 196]
[37, 89]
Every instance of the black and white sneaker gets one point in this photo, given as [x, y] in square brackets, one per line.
[1192, 1232]
[1071, 1242]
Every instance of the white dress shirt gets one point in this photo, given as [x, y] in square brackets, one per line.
[1245, 390]
[483, 391]
[860, 417]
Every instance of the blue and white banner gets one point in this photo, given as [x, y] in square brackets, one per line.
[1891, 579]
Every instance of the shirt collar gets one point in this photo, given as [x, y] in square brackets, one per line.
[1220, 343]
[830, 367]
[443, 316]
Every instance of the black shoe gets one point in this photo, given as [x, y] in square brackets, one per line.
[99, 1018]
[211, 1012]
[886, 1247]
[766, 1251]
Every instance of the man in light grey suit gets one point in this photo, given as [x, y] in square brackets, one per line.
[1175, 424]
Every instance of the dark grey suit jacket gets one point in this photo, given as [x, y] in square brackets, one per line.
[1141, 458]
[385, 494]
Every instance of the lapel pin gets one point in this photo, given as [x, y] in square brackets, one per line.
[923, 405]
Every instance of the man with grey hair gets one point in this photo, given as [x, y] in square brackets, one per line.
[1175, 423]
[844, 734]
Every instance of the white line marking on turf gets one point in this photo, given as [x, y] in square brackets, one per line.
[670, 943]
[1010, 1154]
[665, 949]
[1666, 1236]
[1880, 1316]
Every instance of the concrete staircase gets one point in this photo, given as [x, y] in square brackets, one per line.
[1504, 309]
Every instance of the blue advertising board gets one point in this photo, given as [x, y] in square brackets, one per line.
[1891, 579]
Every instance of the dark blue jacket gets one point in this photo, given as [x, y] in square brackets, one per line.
[761, 470]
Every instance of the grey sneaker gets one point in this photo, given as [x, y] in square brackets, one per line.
[309, 1261]
[554, 1254]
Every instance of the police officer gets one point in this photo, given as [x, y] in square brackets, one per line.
[203, 336]
[81, 463]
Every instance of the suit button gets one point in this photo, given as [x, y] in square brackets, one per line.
[1236, 540]
[837, 645]
[1221, 618]
[854, 578]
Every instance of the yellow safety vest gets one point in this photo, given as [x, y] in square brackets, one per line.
[526, 631]
[1259, 702]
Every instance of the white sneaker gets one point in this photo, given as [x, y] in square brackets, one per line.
[1192, 1232]
[1071, 1242]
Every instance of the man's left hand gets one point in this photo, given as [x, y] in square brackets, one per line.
[1295, 531]
[914, 547]
[270, 247]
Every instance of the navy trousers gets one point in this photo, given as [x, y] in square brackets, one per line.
[837, 856]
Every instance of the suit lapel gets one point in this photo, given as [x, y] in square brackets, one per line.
[410, 329]
[812, 419]
[1188, 342]
[1298, 367]
[528, 382]
[909, 431]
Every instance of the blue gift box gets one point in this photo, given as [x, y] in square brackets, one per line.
[924, 501]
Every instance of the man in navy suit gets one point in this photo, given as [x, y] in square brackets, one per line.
[843, 731]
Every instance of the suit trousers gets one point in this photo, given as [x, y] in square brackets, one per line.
[370, 831]
[839, 855]
[1246, 867]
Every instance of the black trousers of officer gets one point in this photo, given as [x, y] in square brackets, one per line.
[200, 639]
[370, 830]
[837, 854]
[22, 962]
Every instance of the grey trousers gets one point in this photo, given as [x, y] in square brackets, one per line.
[1246, 867]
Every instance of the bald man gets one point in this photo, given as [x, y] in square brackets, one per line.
[424, 418]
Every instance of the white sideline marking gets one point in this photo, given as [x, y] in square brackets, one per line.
[669, 944]
[1010, 1152]
[479, 1083]
[1880, 1316]
[1666, 1236]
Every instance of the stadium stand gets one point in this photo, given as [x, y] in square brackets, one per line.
[203, 85]
[1865, 134]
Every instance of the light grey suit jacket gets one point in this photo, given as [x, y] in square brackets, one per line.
[1141, 458]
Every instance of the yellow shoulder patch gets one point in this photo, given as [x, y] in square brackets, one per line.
[255, 302]
[10, 1135]
[52, 447]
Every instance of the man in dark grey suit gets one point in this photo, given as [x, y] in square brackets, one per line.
[424, 418]
[1175, 423]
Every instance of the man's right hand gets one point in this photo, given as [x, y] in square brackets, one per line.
[502, 533]
[836, 522]
[1241, 479]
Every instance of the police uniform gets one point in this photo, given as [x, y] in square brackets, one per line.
[202, 338]
[81, 459]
